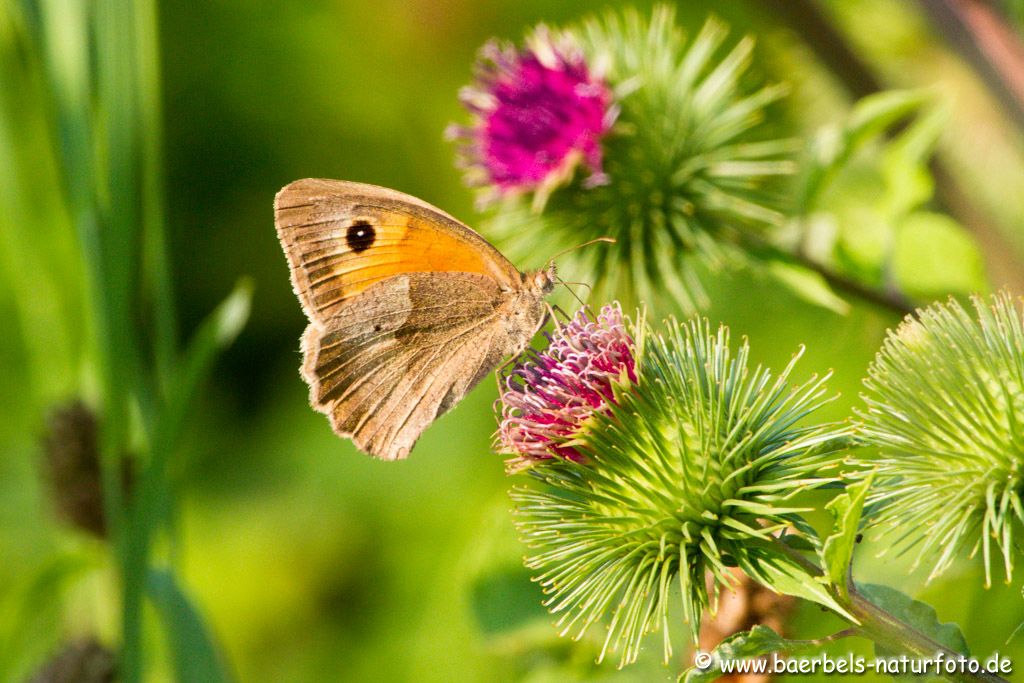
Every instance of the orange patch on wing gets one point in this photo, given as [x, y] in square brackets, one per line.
[330, 271]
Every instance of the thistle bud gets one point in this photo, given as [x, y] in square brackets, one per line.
[945, 409]
[664, 128]
[538, 113]
[550, 395]
[677, 459]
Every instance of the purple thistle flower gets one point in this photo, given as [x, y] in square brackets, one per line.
[550, 394]
[539, 112]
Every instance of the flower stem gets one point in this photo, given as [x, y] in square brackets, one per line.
[882, 628]
[889, 299]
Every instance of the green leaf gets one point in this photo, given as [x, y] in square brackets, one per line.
[194, 655]
[153, 494]
[837, 551]
[807, 285]
[756, 642]
[215, 333]
[783, 573]
[875, 113]
[934, 256]
[833, 146]
[918, 615]
[797, 542]
[904, 164]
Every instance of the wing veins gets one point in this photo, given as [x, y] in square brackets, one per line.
[433, 380]
[434, 353]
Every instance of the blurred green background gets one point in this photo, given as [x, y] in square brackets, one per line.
[310, 561]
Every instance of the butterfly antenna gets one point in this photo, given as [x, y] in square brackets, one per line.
[609, 240]
[571, 290]
[590, 290]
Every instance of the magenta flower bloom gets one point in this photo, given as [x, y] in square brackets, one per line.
[539, 112]
[550, 394]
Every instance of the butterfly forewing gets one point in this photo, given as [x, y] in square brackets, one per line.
[341, 238]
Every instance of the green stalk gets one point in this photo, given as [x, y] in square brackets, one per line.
[886, 299]
[71, 84]
[115, 31]
[99, 181]
[153, 202]
[883, 628]
[880, 627]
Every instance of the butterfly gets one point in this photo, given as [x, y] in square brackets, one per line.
[408, 308]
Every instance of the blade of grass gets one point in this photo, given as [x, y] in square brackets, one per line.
[60, 32]
[151, 498]
[193, 651]
[117, 245]
[157, 263]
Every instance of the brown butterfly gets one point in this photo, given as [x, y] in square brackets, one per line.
[408, 308]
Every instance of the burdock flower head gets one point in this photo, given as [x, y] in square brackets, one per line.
[550, 396]
[539, 113]
[945, 408]
[667, 125]
[679, 460]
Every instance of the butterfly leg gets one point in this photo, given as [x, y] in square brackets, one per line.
[498, 372]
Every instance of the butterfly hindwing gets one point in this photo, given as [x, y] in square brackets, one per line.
[403, 352]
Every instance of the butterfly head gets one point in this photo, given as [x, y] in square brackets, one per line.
[542, 281]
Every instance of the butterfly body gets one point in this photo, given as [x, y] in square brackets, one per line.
[408, 308]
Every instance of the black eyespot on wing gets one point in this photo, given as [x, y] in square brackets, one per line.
[360, 236]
